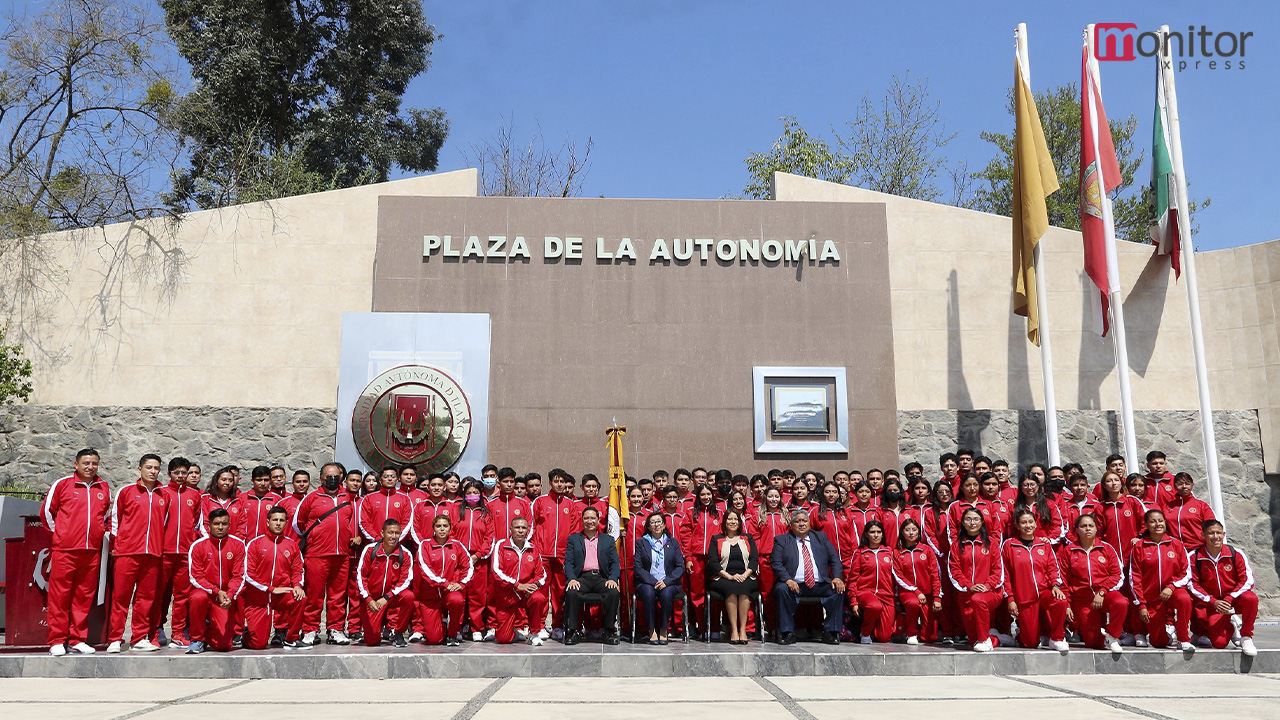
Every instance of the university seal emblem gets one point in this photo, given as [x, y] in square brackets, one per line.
[412, 414]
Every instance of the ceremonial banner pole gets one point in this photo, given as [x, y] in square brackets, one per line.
[1207, 433]
[618, 495]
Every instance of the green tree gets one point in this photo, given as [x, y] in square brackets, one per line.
[294, 97]
[1059, 110]
[15, 373]
[796, 152]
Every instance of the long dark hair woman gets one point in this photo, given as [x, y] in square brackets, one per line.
[732, 565]
[978, 574]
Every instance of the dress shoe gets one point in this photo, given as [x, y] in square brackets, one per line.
[571, 638]
[611, 639]
[829, 638]
[787, 639]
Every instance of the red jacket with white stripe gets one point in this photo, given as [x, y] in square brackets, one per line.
[474, 529]
[552, 524]
[916, 570]
[1120, 522]
[382, 575]
[1073, 509]
[442, 565]
[77, 513]
[425, 514]
[871, 571]
[506, 508]
[1225, 577]
[333, 535]
[518, 566]
[1186, 516]
[1098, 569]
[838, 526]
[217, 564]
[1154, 566]
[1030, 570]
[699, 527]
[273, 561]
[137, 520]
[772, 526]
[377, 508]
[290, 503]
[233, 506]
[182, 526]
[973, 563]
[254, 520]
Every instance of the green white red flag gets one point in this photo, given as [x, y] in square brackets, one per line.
[1164, 233]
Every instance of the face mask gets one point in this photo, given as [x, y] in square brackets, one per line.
[892, 496]
[333, 482]
[473, 498]
[489, 483]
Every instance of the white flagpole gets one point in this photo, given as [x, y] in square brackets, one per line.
[1042, 307]
[1193, 293]
[1118, 342]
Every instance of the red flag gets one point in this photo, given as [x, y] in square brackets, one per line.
[1099, 174]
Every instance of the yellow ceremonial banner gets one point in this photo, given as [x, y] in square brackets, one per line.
[617, 479]
[1034, 179]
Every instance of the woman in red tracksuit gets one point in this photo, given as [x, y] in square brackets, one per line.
[970, 494]
[446, 569]
[222, 492]
[1121, 518]
[893, 508]
[871, 574]
[915, 571]
[1048, 517]
[474, 530]
[1093, 572]
[701, 524]
[1080, 502]
[1159, 573]
[832, 518]
[771, 521]
[1222, 583]
[937, 528]
[1033, 584]
[977, 573]
[1186, 513]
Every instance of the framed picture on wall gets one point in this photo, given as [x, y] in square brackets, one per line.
[800, 409]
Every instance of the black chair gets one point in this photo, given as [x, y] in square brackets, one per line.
[822, 614]
[679, 597]
[589, 599]
[757, 603]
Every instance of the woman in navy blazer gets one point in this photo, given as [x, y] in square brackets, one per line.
[656, 586]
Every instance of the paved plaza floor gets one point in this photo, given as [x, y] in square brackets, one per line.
[1093, 697]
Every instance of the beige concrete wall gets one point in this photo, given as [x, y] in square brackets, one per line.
[254, 319]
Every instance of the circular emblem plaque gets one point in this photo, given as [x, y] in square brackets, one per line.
[412, 414]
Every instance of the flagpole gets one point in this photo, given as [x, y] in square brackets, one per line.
[1193, 293]
[1042, 307]
[1118, 342]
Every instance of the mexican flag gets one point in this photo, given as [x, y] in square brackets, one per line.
[1164, 233]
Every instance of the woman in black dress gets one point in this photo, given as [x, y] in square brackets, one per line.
[732, 566]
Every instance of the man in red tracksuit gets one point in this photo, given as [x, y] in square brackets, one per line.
[425, 511]
[181, 528]
[76, 511]
[216, 566]
[389, 503]
[257, 503]
[273, 598]
[553, 523]
[301, 488]
[354, 488]
[325, 520]
[137, 530]
[1222, 586]
[506, 507]
[519, 588]
[384, 578]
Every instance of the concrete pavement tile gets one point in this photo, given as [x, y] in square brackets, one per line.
[324, 711]
[1180, 686]
[639, 689]
[645, 710]
[1221, 707]
[351, 691]
[891, 688]
[68, 711]
[105, 690]
[1038, 708]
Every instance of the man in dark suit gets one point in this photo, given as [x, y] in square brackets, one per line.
[591, 565]
[806, 564]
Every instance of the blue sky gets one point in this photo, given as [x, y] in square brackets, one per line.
[675, 94]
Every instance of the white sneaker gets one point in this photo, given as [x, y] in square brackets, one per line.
[143, 645]
[1236, 622]
[337, 637]
[57, 650]
[1112, 644]
[982, 647]
[543, 634]
[535, 641]
[865, 639]
[913, 640]
[1060, 645]
[1141, 641]
[490, 635]
[1247, 647]
[1186, 647]
[176, 644]
[417, 637]
[114, 647]
[309, 638]
[83, 648]
[476, 637]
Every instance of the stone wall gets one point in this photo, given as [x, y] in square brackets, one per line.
[1250, 497]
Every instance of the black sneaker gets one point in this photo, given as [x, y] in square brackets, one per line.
[237, 642]
[452, 642]
[397, 640]
[277, 639]
[356, 638]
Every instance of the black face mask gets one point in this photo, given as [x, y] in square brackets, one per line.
[892, 496]
[332, 482]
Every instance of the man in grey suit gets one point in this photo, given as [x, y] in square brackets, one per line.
[591, 565]
[806, 564]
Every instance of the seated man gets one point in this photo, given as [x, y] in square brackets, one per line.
[805, 564]
[591, 565]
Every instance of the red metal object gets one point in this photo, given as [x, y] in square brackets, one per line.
[26, 569]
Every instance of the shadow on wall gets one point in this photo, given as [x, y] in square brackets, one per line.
[958, 397]
[1146, 301]
[1273, 509]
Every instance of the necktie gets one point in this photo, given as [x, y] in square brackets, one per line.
[810, 572]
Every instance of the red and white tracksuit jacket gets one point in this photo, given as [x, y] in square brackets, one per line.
[426, 512]
[377, 508]
[137, 529]
[1100, 569]
[290, 503]
[271, 561]
[233, 506]
[333, 535]
[138, 519]
[1051, 530]
[871, 577]
[1120, 522]
[254, 521]
[77, 514]
[600, 504]
[971, 563]
[514, 566]
[1072, 509]
[182, 526]
[1154, 566]
[891, 518]
[442, 565]
[474, 530]
[504, 509]
[553, 523]
[1226, 577]
[1186, 516]
[915, 571]
[389, 576]
[1031, 574]
[838, 526]
[213, 566]
[859, 517]
[699, 527]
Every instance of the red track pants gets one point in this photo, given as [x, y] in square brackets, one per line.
[511, 607]
[433, 604]
[1030, 616]
[1089, 621]
[325, 584]
[209, 622]
[397, 613]
[1217, 626]
[135, 583]
[73, 587]
[697, 590]
[877, 615]
[977, 609]
[477, 597]
[175, 586]
[921, 621]
[1179, 603]
[264, 613]
[555, 590]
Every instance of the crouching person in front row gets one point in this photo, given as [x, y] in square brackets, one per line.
[519, 584]
[383, 577]
[216, 567]
[274, 598]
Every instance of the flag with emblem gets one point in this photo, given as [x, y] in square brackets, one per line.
[617, 479]
[1099, 174]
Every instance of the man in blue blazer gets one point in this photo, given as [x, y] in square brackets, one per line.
[591, 565]
[806, 564]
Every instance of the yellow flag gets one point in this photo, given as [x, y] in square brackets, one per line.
[617, 479]
[1034, 179]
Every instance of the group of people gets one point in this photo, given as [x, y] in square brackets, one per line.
[977, 557]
